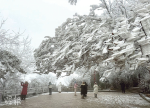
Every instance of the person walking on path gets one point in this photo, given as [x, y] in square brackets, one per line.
[24, 90]
[50, 88]
[95, 89]
[86, 89]
[83, 90]
[59, 87]
[122, 86]
[75, 88]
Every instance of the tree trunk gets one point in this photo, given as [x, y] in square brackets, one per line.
[3, 93]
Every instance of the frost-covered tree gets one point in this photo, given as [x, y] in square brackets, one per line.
[115, 8]
[17, 44]
[9, 68]
[73, 30]
[15, 56]
[9, 63]
[104, 44]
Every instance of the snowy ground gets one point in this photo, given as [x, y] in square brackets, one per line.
[120, 100]
[68, 100]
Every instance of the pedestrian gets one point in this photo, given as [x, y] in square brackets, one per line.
[24, 90]
[75, 88]
[95, 89]
[86, 88]
[59, 87]
[83, 90]
[122, 86]
[50, 88]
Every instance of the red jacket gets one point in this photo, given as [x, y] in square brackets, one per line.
[24, 89]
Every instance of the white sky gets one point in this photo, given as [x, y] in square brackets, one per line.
[40, 17]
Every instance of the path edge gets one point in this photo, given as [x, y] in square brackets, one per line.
[142, 95]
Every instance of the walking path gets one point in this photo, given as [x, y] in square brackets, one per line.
[68, 100]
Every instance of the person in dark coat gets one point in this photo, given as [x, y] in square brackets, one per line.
[122, 86]
[83, 90]
[24, 90]
[86, 89]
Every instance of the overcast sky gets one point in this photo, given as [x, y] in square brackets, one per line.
[39, 18]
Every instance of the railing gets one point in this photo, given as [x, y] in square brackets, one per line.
[17, 92]
[35, 91]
